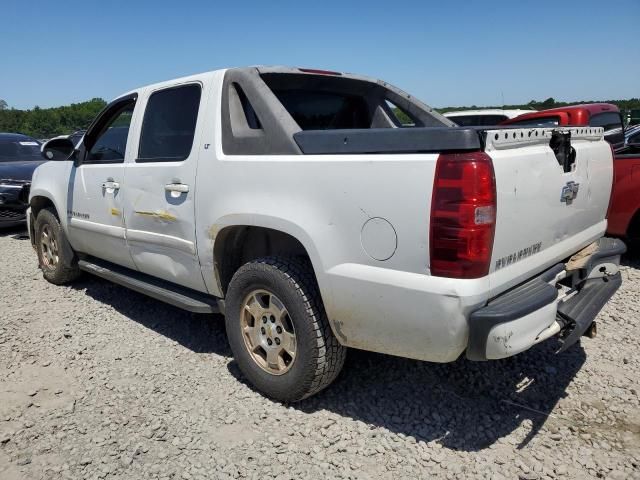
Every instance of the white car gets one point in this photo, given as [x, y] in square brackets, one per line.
[292, 201]
[483, 117]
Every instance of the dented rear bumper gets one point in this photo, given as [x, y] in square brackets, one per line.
[564, 300]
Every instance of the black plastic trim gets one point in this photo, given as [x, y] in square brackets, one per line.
[176, 295]
[388, 140]
[516, 303]
[582, 309]
[609, 251]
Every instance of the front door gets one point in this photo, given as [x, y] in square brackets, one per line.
[95, 206]
[159, 187]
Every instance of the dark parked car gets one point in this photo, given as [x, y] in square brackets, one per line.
[19, 157]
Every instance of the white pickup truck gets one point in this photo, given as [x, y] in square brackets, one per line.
[298, 204]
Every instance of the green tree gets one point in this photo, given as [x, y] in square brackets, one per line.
[3, 105]
[49, 122]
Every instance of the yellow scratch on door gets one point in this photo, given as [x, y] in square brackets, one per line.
[162, 215]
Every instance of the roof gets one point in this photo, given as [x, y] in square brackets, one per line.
[590, 108]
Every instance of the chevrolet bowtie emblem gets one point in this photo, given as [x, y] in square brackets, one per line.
[569, 192]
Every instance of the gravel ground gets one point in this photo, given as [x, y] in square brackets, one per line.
[100, 382]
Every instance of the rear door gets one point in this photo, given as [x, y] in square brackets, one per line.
[160, 185]
[96, 196]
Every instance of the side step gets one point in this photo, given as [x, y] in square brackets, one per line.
[178, 296]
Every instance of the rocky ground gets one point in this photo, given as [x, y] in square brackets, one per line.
[100, 382]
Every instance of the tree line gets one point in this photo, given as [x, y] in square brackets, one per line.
[49, 122]
[625, 106]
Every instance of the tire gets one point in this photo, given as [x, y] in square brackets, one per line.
[56, 258]
[287, 286]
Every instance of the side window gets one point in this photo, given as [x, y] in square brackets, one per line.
[169, 124]
[402, 118]
[110, 143]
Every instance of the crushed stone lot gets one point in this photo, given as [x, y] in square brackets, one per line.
[99, 382]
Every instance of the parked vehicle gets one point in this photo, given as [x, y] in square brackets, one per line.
[624, 211]
[19, 157]
[603, 115]
[292, 201]
[483, 117]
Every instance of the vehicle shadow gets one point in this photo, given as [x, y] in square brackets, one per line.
[17, 233]
[197, 332]
[632, 257]
[462, 405]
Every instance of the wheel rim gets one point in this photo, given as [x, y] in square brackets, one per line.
[268, 332]
[49, 247]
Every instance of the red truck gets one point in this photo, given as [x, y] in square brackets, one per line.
[624, 209]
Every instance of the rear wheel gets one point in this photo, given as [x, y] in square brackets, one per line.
[278, 330]
[56, 258]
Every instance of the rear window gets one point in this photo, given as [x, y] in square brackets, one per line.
[612, 124]
[478, 120]
[24, 149]
[314, 110]
[608, 120]
[538, 122]
[169, 124]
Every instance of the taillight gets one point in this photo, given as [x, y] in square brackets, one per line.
[463, 215]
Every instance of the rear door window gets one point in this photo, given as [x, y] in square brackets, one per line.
[169, 124]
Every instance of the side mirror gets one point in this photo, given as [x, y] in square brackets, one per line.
[58, 149]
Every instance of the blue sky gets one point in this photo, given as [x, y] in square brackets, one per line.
[446, 53]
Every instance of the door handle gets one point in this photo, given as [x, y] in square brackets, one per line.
[110, 185]
[176, 187]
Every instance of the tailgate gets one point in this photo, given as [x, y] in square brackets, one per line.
[546, 211]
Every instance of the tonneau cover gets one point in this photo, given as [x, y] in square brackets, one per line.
[387, 140]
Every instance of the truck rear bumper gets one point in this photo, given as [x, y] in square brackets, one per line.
[540, 308]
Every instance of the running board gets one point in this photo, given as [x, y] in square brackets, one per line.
[175, 295]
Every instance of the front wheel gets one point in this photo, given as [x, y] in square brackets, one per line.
[56, 258]
[278, 330]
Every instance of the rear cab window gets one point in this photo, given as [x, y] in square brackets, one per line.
[612, 124]
[478, 120]
[537, 122]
